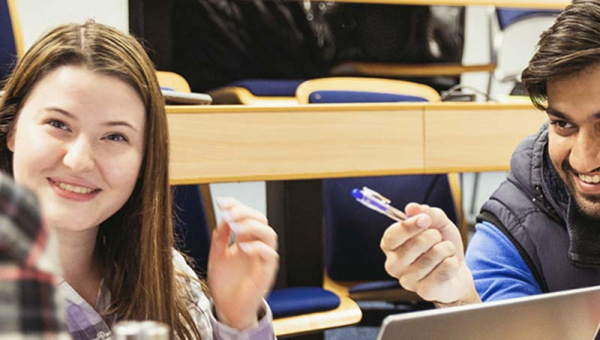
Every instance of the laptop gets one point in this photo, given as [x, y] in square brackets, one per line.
[571, 314]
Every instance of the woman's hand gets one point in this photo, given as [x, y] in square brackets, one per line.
[240, 275]
[425, 253]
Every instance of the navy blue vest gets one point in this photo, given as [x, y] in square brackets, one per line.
[534, 210]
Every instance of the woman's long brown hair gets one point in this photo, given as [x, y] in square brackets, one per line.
[134, 246]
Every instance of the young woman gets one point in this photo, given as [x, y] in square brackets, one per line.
[83, 124]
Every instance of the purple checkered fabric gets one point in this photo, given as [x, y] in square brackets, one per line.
[84, 321]
[29, 305]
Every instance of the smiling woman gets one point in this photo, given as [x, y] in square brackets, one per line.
[83, 124]
[79, 142]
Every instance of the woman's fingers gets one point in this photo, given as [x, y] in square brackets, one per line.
[231, 210]
[253, 230]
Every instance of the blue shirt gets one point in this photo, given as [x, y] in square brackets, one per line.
[498, 270]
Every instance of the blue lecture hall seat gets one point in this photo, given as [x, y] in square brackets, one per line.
[353, 233]
[190, 225]
[257, 92]
[11, 44]
[500, 19]
[331, 97]
[353, 258]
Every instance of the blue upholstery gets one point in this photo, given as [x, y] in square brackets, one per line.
[8, 48]
[301, 300]
[508, 16]
[190, 225]
[375, 286]
[269, 87]
[194, 240]
[353, 233]
[325, 97]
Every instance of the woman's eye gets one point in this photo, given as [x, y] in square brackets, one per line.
[58, 124]
[116, 137]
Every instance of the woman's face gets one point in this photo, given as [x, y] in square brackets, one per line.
[78, 143]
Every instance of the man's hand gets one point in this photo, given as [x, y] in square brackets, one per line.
[425, 253]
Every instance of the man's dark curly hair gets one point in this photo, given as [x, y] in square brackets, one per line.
[569, 46]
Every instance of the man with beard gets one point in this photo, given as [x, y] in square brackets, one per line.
[540, 230]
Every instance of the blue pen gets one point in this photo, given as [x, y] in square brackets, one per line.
[374, 200]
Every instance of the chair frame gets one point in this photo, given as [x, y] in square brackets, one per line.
[496, 38]
[173, 80]
[408, 70]
[380, 85]
[240, 95]
[16, 26]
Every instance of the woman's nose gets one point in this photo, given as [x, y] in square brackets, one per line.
[79, 156]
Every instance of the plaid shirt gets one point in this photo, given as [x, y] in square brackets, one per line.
[29, 305]
[84, 322]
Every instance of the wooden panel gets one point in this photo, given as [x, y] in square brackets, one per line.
[476, 137]
[223, 144]
[408, 70]
[549, 4]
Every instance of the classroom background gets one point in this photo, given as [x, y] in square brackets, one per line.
[38, 16]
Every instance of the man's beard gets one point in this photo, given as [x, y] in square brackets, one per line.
[587, 205]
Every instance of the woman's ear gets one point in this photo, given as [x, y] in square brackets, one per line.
[10, 140]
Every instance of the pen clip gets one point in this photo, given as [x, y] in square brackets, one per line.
[376, 201]
[375, 196]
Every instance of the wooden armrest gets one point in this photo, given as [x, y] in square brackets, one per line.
[172, 80]
[408, 70]
[392, 295]
[240, 95]
[348, 313]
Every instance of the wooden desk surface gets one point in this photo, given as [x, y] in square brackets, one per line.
[546, 4]
[212, 144]
[223, 144]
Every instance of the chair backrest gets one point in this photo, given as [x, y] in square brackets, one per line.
[353, 233]
[173, 81]
[355, 89]
[267, 92]
[269, 87]
[508, 16]
[190, 226]
[501, 18]
[11, 41]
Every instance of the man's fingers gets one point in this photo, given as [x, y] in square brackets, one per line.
[398, 233]
[402, 257]
[427, 262]
[429, 287]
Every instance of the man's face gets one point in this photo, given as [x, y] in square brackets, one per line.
[574, 136]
